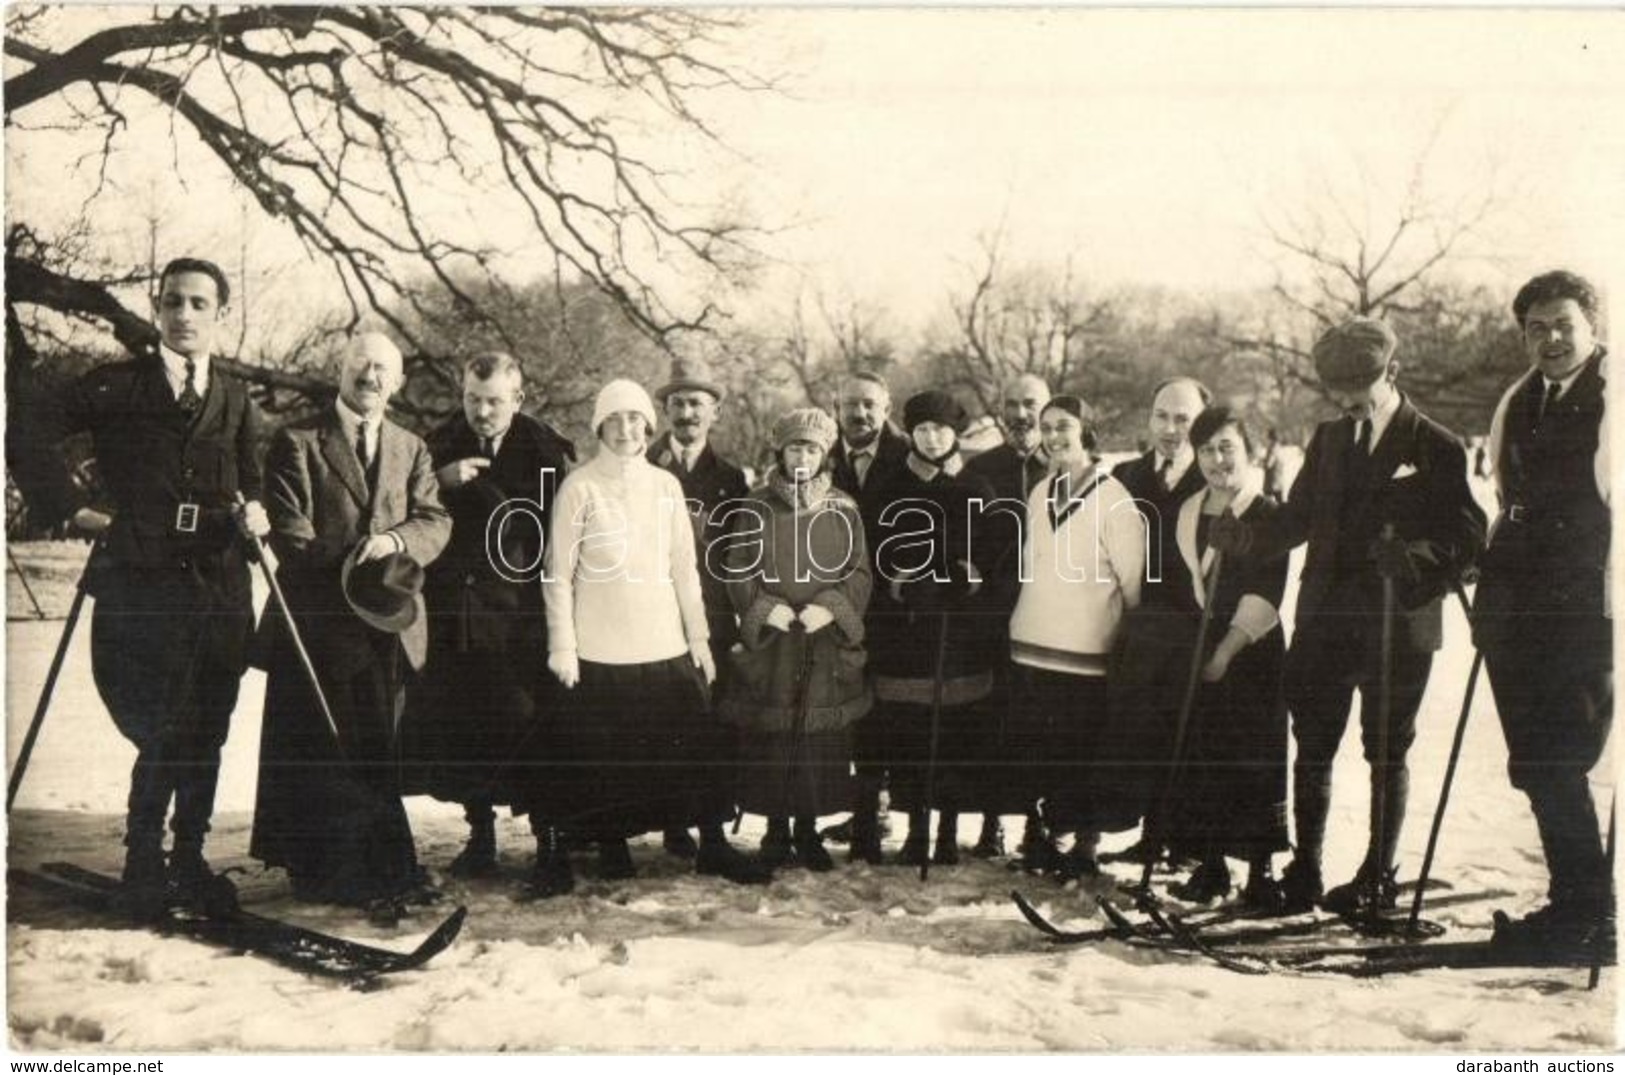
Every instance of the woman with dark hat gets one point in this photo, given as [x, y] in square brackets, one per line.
[633, 746]
[1082, 563]
[798, 678]
[932, 638]
[1231, 797]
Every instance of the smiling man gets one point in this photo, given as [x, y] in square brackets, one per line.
[175, 440]
[1382, 463]
[1542, 620]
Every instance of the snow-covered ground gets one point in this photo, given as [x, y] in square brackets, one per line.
[861, 959]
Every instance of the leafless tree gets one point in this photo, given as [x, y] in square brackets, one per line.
[367, 132]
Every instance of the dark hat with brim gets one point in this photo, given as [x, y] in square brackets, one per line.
[936, 406]
[689, 375]
[1354, 354]
[384, 592]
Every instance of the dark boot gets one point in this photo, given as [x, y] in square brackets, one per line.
[809, 846]
[917, 845]
[1263, 895]
[1032, 833]
[478, 858]
[865, 827]
[1080, 862]
[1301, 886]
[145, 886]
[990, 844]
[1370, 890]
[947, 849]
[195, 887]
[615, 861]
[552, 875]
[679, 844]
[776, 848]
[718, 858]
[1208, 882]
[1038, 851]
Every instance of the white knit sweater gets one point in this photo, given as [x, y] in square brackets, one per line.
[621, 585]
[1077, 579]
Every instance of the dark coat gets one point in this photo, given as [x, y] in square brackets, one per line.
[713, 482]
[475, 709]
[335, 820]
[1167, 577]
[891, 457]
[173, 608]
[1416, 479]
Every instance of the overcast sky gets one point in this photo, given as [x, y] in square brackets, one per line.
[1144, 145]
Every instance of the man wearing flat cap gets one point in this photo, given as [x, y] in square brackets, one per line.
[690, 398]
[1382, 464]
[355, 516]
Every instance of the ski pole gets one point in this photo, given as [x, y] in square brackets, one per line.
[39, 613]
[1449, 774]
[1193, 683]
[266, 560]
[1379, 786]
[1599, 956]
[936, 727]
[798, 720]
[44, 704]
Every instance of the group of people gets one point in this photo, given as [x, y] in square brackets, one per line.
[645, 643]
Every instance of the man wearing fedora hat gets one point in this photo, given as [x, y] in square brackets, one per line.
[1382, 464]
[690, 398]
[355, 514]
[474, 714]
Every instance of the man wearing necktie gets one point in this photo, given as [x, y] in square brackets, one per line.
[176, 443]
[1542, 617]
[476, 714]
[1383, 463]
[345, 488]
[690, 399]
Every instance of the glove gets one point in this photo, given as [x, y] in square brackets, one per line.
[1393, 559]
[1229, 535]
[780, 618]
[816, 618]
[252, 522]
[566, 665]
[91, 521]
[701, 652]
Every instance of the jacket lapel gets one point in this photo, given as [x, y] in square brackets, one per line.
[340, 456]
[393, 463]
[1185, 538]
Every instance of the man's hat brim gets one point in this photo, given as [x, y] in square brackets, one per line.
[394, 623]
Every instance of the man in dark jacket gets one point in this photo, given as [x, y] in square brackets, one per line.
[1543, 618]
[1145, 682]
[472, 721]
[1383, 495]
[348, 491]
[176, 441]
[690, 399]
[1011, 469]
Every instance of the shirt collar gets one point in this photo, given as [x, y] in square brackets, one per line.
[1563, 383]
[175, 368]
[1383, 415]
[1181, 462]
[350, 421]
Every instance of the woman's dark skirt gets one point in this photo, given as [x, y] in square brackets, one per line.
[782, 774]
[634, 748]
[1053, 738]
[896, 736]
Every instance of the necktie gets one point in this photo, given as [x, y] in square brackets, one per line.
[1548, 401]
[361, 445]
[1362, 440]
[1165, 472]
[488, 447]
[860, 464]
[189, 399]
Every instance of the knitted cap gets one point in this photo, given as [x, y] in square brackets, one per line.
[621, 395]
[804, 423]
[934, 406]
[1355, 353]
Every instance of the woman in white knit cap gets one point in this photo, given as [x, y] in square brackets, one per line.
[631, 744]
[798, 683]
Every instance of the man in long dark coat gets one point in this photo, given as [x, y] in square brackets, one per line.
[1543, 616]
[176, 441]
[1012, 470]
[690, 398]
[1382, 464]
[347, 486]
[473, 718]
[1153, 660]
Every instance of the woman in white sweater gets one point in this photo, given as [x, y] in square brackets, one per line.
[1083, 559]
[630, 745]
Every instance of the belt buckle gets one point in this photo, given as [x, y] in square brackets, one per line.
[1518, 513]
[186, 518]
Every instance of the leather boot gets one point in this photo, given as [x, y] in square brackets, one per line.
[718, 858]
[990, 843]
[195, 887]
[552, 875]
[809, 846]
[776, 848]
[947, 849]
[478, 858]
[917, 844]
[145, 885]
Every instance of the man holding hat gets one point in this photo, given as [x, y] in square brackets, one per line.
[690, 399]
[498, 472]
[1383, 494]
[355, 515]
